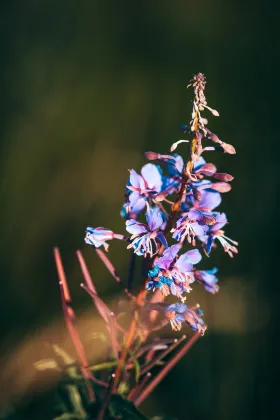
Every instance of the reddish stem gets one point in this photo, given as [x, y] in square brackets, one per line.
[172, 362]
[138, 387]
[70, 318]
[153, 362]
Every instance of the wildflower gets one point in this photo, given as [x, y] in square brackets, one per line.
[215, 232]
[98, 236]
[179, 271]
[189, 227]
[143, 186]
[208, 279]
[177, 313]
[146, 238]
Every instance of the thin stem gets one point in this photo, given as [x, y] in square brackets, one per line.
[172, 362]
[70, 318]
[85, 272]
[129, 340]
[163, 354]
[106, 402]
[138, 387]
[131, 269]
[108, 317]
[108, 264]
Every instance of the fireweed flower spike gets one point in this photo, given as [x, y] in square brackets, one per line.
[146, 238]
[179, 195]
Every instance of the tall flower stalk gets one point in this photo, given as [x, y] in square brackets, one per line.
[179, 196]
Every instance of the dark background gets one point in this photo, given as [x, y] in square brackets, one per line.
[86, 87]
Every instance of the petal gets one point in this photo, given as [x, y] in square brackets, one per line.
[209, 244]
[210, 200]
[154, 218]
[221, 221]
[152, 177]
[195, 215]
[175, 167]
[138, 203]
[180, 318]
[193, 256]
[139, 245]
[183, 265]
[134, 197]
[176, 307]
[162, 239]
[168, 256]
[199, 230]
[134, 227]
[134, 178]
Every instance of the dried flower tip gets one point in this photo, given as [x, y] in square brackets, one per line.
[198, 83]
[174, 145]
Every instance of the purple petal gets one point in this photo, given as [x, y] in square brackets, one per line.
[152, 176]
[162, 239]
[134, 197]
[221, 221]
[193, 256]
[176, 165]
[183, 265]
[199, 230]
[210, 200]
[176, 307]
[154, 218]
[134, 178]
[180, 318]
[167, 257]
[137, 203]
[134, 227]
[195, 215]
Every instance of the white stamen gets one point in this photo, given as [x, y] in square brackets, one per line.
[174, 145]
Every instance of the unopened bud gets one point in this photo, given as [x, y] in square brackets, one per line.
[209, 169]
[223, 177]
[228, 148]
[151, 155]
[220, 187]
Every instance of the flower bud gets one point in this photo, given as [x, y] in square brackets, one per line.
[228, 148]
[223, 177]
[220, 187]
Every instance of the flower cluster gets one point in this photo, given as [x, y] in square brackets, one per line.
[179, 197]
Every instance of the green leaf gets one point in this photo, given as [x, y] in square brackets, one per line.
[44, 364]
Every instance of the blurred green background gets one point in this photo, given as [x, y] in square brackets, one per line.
[86, 88]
